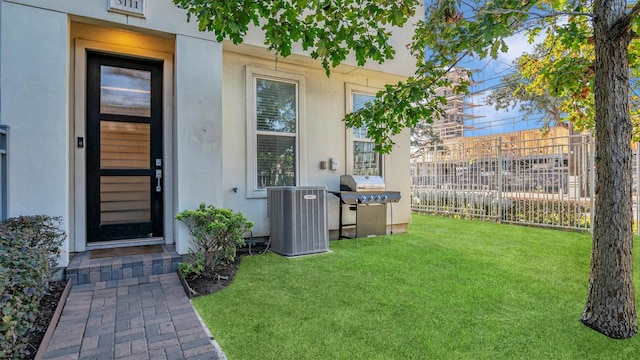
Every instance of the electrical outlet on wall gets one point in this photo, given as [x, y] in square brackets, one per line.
[334, 164]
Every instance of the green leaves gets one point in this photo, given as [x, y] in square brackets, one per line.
[215, 233]
[395, 108]
[330, 29]
[29, 248]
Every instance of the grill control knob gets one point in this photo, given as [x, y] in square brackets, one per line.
[384, 197]
[371, 198]
[363, 198]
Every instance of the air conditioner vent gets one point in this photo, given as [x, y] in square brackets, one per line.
[298, 219]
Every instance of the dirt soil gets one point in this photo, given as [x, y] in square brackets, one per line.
[48, 306]
[223, 276]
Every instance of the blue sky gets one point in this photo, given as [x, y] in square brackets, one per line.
[491, 71]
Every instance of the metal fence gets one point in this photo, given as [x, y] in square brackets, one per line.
[537, 181]
[3, 171]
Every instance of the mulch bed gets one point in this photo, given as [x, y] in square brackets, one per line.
[47, 308]
[223, 276]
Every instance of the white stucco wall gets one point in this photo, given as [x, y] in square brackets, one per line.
[198, 154]
[34, 104]
[207, 124]
[161, 15]
[323, 137]
[37, 92]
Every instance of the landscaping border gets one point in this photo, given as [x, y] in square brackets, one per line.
[42, 349]
[187, 289]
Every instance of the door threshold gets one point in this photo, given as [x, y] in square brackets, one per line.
[124, 243]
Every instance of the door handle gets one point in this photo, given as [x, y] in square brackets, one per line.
[158, 177]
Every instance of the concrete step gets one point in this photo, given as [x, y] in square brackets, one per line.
[84, 270]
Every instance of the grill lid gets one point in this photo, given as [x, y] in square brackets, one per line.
[360, 183]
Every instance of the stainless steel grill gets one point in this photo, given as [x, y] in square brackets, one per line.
[366, 195]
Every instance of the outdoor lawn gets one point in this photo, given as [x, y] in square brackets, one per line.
[449, 289]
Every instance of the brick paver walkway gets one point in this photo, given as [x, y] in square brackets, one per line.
[138, 318]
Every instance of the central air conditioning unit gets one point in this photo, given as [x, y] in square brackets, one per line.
[298, 219]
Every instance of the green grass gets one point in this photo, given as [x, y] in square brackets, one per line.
[449, 289]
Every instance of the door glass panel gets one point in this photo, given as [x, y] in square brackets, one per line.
[125, 199]
[125, 91]
[125, 145]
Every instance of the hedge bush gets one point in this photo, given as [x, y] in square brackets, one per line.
[471, 204]
[29, 249]
[216, 232]
[567, 213]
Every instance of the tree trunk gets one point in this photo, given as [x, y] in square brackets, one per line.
[610, 307]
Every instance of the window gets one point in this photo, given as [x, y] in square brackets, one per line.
[364, 161]
[273, 130]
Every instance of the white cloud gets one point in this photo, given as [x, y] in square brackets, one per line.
[490, 72]
[497, 122]
[518, 44]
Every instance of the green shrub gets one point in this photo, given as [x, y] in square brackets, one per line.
[41, 232]
[469, 204]
[29, 248]
[215, 233]
[194, 267]
[554, 212]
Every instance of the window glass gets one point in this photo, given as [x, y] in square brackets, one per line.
[276, 161]
[125, 199]
[360, 100]
[125, 145]
[275, 106]
[125, 91]
[276, 127]
[365, 160]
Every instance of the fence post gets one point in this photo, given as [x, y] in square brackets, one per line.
[500, 170]
[4, 129]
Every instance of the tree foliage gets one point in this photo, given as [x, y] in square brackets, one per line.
[329, 29]
[566, 56]
[516, 90]
[423, 134]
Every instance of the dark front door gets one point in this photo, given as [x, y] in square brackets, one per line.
[123, 148]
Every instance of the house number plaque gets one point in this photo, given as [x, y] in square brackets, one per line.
[128, 7]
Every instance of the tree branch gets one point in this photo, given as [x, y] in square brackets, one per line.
[541, 16]
[626, 20]
[621, 26]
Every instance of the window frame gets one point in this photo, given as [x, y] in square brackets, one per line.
[252, 74]
[350, 90]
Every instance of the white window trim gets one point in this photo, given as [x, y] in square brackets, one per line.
[251, 74]
[351, 89]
